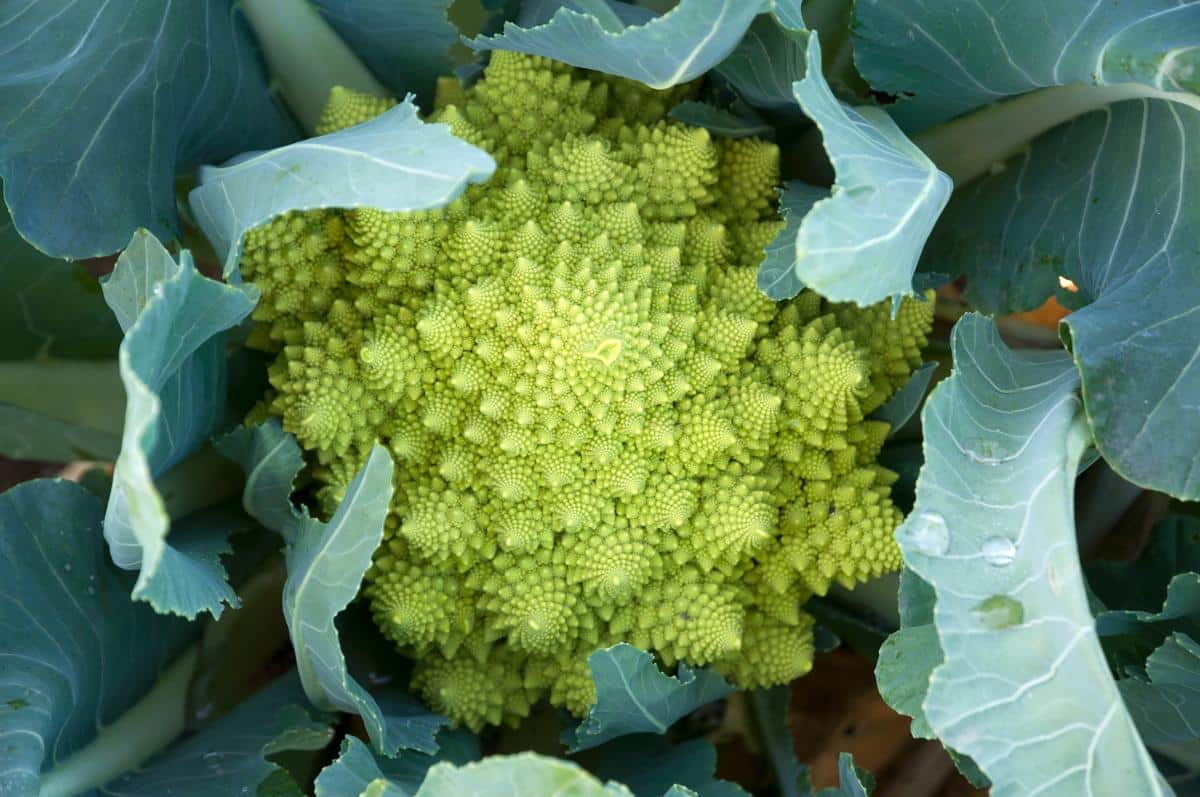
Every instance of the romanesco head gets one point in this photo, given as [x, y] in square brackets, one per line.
[603, 431]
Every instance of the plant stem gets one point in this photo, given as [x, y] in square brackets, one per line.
[968, 147]
[307, 58]
[150, 725]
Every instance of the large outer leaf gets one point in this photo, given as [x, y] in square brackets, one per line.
[861, 243]
[649, 766]
[406, 43]
[393, 162]
[229, 757]
[956, 56]
[634, 696]
[1166, 704]
[49, 307]
[326, 563]
[105, 103]
[1108, 201]
[678, 46]
[1024, 689]
[172, 363]
[75, 651]
[769, 59]
[61, 410]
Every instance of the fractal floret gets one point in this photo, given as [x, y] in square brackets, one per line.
[603, 431]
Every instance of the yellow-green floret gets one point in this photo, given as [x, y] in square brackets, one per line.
[602, 430]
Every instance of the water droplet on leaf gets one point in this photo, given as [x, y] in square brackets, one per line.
[999, 612]
[987, 450]
[929, 533]
[998, 551]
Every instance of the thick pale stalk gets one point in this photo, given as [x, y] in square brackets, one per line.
[307, 58]
[971, 145]
[152, 724]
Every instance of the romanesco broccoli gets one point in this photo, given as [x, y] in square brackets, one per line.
[603, 431]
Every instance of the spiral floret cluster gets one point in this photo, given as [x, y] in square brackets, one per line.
[603, 431]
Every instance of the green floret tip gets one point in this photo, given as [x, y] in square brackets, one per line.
[603, 431]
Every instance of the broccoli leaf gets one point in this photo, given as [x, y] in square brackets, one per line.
[906, 660]
[326, 563]
[1166, 703]
[901, 407]
[77, 651]
[1024, 689]
[172, 363]
[358, 771]
[679, 46]
[720, 121]
[49, 307]
[61, 410]
[862, 241]
[393, 162]
[230, 756]
[1107, 201]
[271, 460]
[769, 59]
[650, 766]
[947, 58]
[634, 696]
[770, 712]
[406, 44]
[852, 781]
[106, 104]
[516, 776]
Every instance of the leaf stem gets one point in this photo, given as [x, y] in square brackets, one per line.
[969, 146]
[150, 725]
[306, 56]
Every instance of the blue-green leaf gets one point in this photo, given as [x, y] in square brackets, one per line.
[906, 660]
[172, 363]
[1025, 689]
[405, 43]
[778, 276]
[75, 651]
[769, 59]
[947, 58]
[271, 459]
[634, 696]
[678, 46]
[862, 242]
[1107, 201]
[106, 104]
[61, 410]
[230, 756]
[326, 563]
[649, 766]
[720, 121]
[358, 770]
[770, 712]
[519, 775]
[852, 781]
[49, 307]
[1166, 703]
[901, 407]
[1157, 593]
[393, 162]
[355, 773]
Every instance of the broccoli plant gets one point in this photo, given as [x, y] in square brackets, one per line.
[519, 397]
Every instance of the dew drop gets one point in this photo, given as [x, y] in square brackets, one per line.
[987, 451]
[157, 289]
[66, 567]
[998, 551]
[999, 612]
[204, 712]
[212, 758]
[929, 533]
